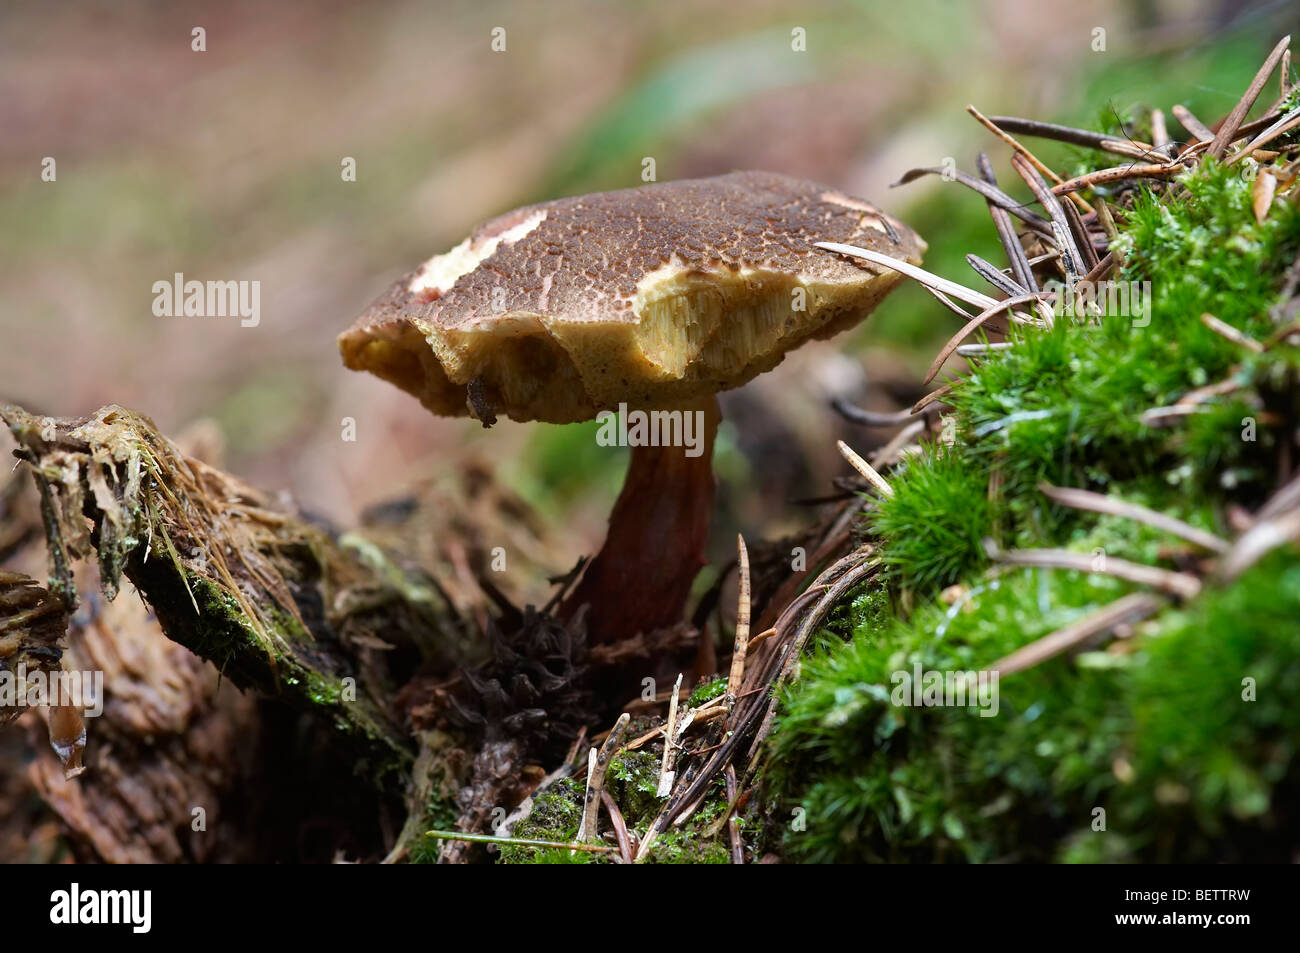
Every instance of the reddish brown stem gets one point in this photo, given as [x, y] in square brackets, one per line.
[642, 576]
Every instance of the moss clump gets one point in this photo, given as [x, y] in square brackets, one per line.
[1146, 748]
[935, 520]
[693, 843]
[440, 815]
[633, 782]
[707, 690]
[556, 815]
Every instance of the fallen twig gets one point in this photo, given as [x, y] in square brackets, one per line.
[1123, 611]
[1228, 131]
[961, 292]
[518, 841]
[1181, 584]
[1104, 176]
[597, 764]
[1229, 333]
[620, 826]
[666, 770]
[997, 308]
[1100, 503]
[1020, 268]
[1077, 137]
[866, 469]
[741, 645]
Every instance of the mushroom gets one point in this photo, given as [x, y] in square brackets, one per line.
[654, 299]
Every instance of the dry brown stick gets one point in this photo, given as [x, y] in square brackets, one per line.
[1103, 176]
[864, 468]
[596, 768]
[518, 841]
[1200, 130]
[1020, 268]
[892, 451]
[1279, 128]
[1082, 240]
[1102, 269]
[1101, 503]
[793, 650]
[741, 646]
[1071, 256]
[1260, 540]
[1072, 135]
[961, 292]
[995, 276]
[1181, 584]
[1283, 501]
[620, 826]
[869, 418]
[1168, 416]
[946, 351]
[1023, 151]
[1245, 132]
[1228, 130]
[1200, 395]
[1276, 523]
[990, 192]
[947, 302]
[931, 397]
[1126, 610]
[758, 671]
[1229, 333]
[666, 770]
[1011, 141]
[695, 716]
[733, 822]
[1159, 133]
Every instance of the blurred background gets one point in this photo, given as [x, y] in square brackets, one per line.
[225, 164]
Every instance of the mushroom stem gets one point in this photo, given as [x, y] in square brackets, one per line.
[655, 544]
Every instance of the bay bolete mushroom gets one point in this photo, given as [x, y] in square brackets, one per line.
[655, 299]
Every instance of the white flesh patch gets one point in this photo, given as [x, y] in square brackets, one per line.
[440, 272]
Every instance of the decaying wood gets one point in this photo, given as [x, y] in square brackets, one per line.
[172, 757]
[240, 579]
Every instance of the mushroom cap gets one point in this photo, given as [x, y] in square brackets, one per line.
[650, 296]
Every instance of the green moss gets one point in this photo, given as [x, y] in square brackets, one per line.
[935, 520]
[691, 843]
[1154, 731]
[440, 815]
[686, 847]
[707, 690]
[556, 816]
[633, 780]
[1151, 730]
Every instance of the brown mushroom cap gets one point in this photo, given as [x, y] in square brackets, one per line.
[651, 296]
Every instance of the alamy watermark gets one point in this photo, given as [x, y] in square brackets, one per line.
[1108, 299]
[179, 298]
[133, 908]
[652, 428]
[919, 688]
[20, 688]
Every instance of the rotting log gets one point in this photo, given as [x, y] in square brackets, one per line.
[276, 602]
